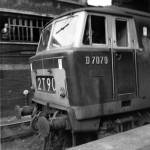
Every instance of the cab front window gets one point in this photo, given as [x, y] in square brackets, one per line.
[95, 31]
[44, 39]
[64, 31]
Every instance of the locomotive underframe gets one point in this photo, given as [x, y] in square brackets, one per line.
[107, 125]
[57, 126]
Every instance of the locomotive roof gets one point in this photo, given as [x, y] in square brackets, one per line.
[112, 10]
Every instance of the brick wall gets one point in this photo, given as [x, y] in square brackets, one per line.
[14, 76]
[12, 84]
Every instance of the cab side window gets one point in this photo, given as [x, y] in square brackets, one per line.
[121, 33]
[87, 33]
[98, 29]
[95, 30]
[143, 32]
[146, 39]
[44, 39]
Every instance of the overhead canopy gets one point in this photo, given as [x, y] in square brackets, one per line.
[143, 5]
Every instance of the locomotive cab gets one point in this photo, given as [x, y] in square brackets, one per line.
[86, 68]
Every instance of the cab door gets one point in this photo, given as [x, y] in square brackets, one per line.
[124, 60]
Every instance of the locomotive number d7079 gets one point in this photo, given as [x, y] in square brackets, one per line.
[98, 60]
[46, 83]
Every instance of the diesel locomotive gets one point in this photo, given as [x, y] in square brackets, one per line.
[91, 75]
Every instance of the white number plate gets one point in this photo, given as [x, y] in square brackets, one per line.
[46, 83]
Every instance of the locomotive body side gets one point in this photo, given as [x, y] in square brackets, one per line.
[115, 84]
[143, 58]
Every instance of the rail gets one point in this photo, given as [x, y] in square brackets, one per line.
[13, 128]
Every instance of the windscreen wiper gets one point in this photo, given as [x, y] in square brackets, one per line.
[62, 28]
[66, 25]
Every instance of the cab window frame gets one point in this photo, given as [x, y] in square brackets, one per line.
[75, 42]
[106, 44]
[48, 42]
[128, 22]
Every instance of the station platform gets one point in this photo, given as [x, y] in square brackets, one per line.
[135, 139]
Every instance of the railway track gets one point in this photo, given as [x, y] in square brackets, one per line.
[12, 129]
